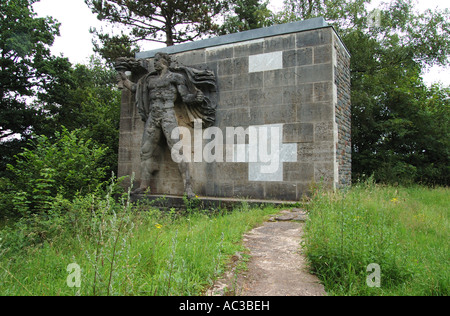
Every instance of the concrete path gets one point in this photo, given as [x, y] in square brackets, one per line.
[276, 267]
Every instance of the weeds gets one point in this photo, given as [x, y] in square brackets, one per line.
[399, 228]
[121, 248]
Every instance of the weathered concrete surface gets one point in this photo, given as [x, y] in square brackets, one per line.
[295, 76]
[277, 266]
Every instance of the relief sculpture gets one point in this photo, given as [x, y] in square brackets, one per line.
[157, 93]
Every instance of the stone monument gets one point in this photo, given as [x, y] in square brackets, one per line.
[156, 94]
[260, 114]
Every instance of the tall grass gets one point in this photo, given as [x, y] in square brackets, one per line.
[125, 250]
[405, 230]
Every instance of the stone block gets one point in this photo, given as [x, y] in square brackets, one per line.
[234, 99]
[125, 139]
[192, 58]
[324, 131]
[225, 84]
[126, 125]
[314, 73]
[126, 109]
[223, 189]
[265, 97]
[248, 190]
[322, 54]
[315, 152]
[279, 78]
[298, 133]
[240, 98]
[218, 53]
[223, 117]
[125, 169]
[298, 170]
[304, 56]
[298, 94]
[249, 48]
[240, 65]
[241, 81]
[315, 112]
[298, 57]
[240, 117]
[314, 38]
[279, 113]
[281, 190]
[225, 67]
[303, 190]
[324, 172]
[125, 154]
[257, 115]
[323, 91]
[256, 80]
[290, 58]
[266, 61]
[279, 43]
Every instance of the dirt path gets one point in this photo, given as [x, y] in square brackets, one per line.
[276, 266]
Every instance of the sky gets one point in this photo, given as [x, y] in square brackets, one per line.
[76, 19]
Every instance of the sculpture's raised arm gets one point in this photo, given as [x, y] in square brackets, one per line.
[123, 65]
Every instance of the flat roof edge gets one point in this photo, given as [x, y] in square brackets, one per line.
[274, 30]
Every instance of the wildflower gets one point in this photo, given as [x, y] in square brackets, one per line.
[394, 200]
[158, 226]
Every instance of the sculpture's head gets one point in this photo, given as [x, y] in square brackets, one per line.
[162, 60]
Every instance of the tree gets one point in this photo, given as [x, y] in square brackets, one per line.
[66, 165]
[26, 68]
[111, 47]
[88, 100]
[247, 15]
[397, 134]
[170, 22]
[339, 13]
[399, 125]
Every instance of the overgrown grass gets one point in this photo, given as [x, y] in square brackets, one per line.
[124, 250]
[405, 230]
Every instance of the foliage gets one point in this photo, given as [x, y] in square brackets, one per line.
[339, 12]
[88, 102]
[65, 165]
[402, 229]
[26, 68]
[247, 15]
[122, 251]
[111, 47]
[399, 125]
[169, 22]
[6, 198]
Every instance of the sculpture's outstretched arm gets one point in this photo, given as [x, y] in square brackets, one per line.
[124, 82]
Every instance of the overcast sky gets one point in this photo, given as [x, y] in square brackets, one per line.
[76, 18]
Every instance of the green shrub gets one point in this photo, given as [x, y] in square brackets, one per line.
[64, 165]
[402, 229]
[6, 198]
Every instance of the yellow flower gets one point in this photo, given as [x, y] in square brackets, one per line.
[158, 226]
[394, 200]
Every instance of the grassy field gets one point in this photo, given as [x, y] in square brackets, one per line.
[404, 231]
[120, 251]
[113, 248]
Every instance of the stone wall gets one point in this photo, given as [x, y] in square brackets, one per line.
[343, 113]
[294, 77]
